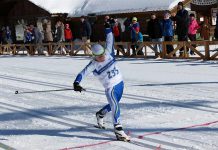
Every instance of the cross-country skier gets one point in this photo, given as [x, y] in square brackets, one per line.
[105, 68]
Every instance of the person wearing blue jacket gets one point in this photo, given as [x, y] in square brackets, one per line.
[168, 32]
[134, 28]
[139, 40]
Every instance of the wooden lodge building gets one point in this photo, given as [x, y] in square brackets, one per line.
[16, 13]
[97, 9]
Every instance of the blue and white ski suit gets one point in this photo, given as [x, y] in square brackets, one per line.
[109, 75]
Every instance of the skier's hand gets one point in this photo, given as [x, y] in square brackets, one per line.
[77, 87]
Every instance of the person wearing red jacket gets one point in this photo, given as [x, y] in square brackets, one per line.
[68, 35]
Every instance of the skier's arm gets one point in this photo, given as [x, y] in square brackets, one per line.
[109, 41]
[86, 71]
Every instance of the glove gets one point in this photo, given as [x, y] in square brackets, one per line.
[77, 87]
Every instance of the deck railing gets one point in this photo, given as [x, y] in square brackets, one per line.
[206, 50]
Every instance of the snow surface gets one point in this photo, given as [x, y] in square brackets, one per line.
[101, 7]
[160, 98]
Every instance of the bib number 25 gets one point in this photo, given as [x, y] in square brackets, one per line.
[112, 73]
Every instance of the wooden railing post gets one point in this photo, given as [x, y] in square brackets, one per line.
[145, 50]
[185, 53]
[1, 51]
[207, 50]
[164, 51]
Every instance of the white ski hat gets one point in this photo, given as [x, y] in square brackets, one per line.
[97, 50]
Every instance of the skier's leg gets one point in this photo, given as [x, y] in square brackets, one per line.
[114, 95]
[100, 115]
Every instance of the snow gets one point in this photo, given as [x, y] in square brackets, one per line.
[77, 8]
[160, 98]
[59, 6]
[102, 7]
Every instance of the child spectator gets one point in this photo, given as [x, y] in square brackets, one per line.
[167, 25]
[192, 30]
[135, 28]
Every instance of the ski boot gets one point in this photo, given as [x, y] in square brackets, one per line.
[100, 120]
[120, 134]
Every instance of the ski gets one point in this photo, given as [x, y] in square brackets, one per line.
[97, 126]
[104, 128]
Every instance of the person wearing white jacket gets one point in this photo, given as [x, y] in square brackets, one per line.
[104, 67]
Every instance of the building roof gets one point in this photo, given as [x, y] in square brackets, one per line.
[102, 7]
[6, 5]
[18, 8]
[59, 6]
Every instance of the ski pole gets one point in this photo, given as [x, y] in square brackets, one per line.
[43, 91]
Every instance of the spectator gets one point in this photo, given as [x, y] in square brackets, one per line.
[68, 35]
[109, 22]
[59, 35]
[192, 30]
[28, 39]
[59, 32]
[8, 35]
[135, 28]
[37, 38]
[37, 34]
[205, 30]
[167, 25]
[127, 31]
[47, 31]
[117, 34]
[182, 21]
[154, 29]
[4, 35]
[86, 33]
[216, 29]
[28, 35]
[139, 40]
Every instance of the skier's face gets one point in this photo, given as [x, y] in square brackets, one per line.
[100, 58]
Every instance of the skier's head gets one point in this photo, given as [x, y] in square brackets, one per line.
[98, 52]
